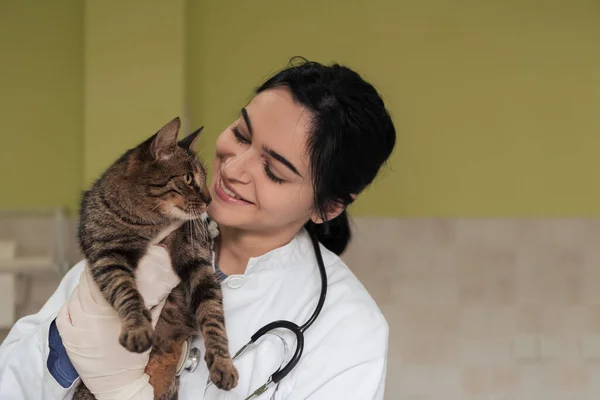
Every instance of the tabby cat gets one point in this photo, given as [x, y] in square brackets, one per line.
[151, 188]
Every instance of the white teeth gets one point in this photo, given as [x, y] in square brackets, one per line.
[227, 191]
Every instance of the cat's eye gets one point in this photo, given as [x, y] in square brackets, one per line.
[189, 178]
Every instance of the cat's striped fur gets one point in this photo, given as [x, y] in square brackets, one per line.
[159, 183]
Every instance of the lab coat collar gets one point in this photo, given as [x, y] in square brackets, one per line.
[284, 256]
[296, 251]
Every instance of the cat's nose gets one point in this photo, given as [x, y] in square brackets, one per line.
[205, 194]
[206, 198]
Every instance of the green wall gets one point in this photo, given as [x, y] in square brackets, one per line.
[41, 103]
[497, 103]
[134, 75]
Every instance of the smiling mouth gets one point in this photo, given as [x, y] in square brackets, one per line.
[228, 195]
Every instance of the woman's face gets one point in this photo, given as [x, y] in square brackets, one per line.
[261, 178]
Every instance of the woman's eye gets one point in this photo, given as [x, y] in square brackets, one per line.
[189, 178]
[241, 139]
[271, 175]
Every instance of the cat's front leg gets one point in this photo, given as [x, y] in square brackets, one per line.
[114, 273]
[191, 258]
[207, 301]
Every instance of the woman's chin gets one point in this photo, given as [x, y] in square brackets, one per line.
[222, 216]
[232, 218]
[212, 213]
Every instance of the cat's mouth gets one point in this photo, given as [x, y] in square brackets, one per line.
[194, 212]
[184, 215]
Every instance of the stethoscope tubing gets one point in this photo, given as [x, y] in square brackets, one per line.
[298, 331]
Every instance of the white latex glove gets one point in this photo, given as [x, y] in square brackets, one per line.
[90, 328]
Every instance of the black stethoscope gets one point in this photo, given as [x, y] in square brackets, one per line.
[193, 354]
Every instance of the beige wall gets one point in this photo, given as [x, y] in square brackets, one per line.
[486, 309]
[477, 309]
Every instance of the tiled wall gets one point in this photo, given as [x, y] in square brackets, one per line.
[35, 234]
[486, 309]
[479, 309]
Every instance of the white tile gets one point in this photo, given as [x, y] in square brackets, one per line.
[423, 291]
[551, 347]
[594, 383]
[590, 347]
[486, 352]
[431, 380]
[525, 348]
[7, 300]
[591, 294]
[480, 322]
[540, 382]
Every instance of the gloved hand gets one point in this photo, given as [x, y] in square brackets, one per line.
[90, 328]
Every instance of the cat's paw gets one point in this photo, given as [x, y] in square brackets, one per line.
[223, 373]
[137, 335]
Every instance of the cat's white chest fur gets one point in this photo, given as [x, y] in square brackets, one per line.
[166, 232]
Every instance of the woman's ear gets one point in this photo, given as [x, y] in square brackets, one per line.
[333, 210]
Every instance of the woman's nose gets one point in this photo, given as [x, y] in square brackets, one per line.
[236, 167]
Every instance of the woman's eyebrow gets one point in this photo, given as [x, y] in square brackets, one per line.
[281, 159]
[268, 150]
[247, 119]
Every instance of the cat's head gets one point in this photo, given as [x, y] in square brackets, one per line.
[170, 173]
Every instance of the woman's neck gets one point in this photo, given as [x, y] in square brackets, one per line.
[235, 247]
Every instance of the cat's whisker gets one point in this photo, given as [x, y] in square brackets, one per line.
[155, 207]
[195, 237]
[201, 231]
[205, 230]
[192, 231]
[200, 226]
[196, 227]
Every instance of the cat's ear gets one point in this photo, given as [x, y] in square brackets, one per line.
[165, 140]
[189, 142]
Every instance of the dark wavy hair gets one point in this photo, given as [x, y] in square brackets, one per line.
[352, 135]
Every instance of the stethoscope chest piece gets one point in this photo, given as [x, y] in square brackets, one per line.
[192, 361]
[190, 358]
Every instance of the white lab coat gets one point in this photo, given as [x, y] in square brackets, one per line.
[345, 352]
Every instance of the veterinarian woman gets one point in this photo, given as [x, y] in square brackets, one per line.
[312, 138]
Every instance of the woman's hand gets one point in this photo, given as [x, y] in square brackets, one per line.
[90, 328]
